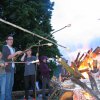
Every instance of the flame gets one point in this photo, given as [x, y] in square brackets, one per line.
[85, 65]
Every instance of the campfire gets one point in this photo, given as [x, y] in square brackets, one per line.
[80, 69]
[86, 63]
[85, 66]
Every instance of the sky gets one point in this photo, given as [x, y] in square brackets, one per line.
[84, 33]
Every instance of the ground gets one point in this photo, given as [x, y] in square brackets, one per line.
[30, 98]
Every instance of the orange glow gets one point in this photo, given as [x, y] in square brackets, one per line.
[85, 65]
[87, 96]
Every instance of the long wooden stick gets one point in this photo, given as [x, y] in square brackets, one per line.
[93, 83]
[27, 31]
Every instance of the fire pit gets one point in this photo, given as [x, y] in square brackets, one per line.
[82, 84]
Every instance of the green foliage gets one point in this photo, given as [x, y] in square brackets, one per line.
[52, 65]
[34, 15]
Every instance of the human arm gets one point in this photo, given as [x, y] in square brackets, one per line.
[23, 57]
[2, 65]
[7, 54]
[14, 55]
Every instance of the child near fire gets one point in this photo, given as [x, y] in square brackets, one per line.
[45, 74]
[29, 73]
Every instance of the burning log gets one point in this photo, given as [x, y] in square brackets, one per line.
[89, 65]
[97, 51]
[89, 52]
[76, 70]
[84, 65]
[76, 75]
[78, 60]
[85, 87]
[77, 57]
[93, 83]
[72, 72]
[91, 78]
[84, 70]
[81, 57]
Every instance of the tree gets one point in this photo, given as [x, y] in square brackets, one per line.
[34, 15]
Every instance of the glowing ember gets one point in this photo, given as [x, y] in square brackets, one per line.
[82, 95]
[84, 73]
[87, 96]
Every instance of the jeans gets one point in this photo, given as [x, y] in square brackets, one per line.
[9, 84]
[2, 86]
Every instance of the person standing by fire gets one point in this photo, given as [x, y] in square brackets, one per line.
[45, 74]
[8, 56]
[29, 73]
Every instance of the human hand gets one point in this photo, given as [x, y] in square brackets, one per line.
[24, 54]
[6, 63]
[1, 65]
[19, 52]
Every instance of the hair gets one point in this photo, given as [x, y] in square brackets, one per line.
[29, 49]
[0, 52]
[8, 36]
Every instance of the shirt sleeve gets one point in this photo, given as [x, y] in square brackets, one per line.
[33, 57]
[5, 52]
